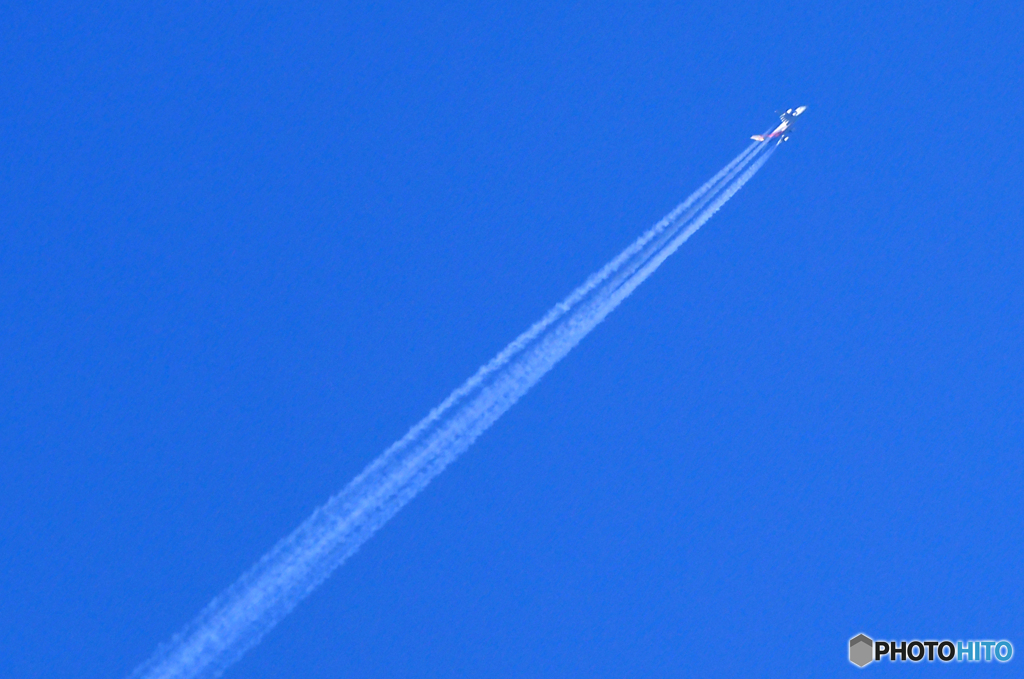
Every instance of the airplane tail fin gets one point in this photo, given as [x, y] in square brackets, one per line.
[758, 137]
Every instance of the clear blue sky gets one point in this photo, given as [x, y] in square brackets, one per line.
[245, 247]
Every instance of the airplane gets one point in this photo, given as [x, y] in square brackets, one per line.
[782, 131]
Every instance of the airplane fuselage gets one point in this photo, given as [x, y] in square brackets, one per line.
[782, 131]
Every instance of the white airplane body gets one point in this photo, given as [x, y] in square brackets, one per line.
[782, 131]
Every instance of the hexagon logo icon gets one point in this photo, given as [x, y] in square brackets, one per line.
[862, 650]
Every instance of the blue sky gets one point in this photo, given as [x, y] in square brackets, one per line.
[245, 247]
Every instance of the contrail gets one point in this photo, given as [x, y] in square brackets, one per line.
[237, 619]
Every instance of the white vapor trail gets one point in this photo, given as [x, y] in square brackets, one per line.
[237, 619]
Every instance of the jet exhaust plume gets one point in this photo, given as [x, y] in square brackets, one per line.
[239, 617]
